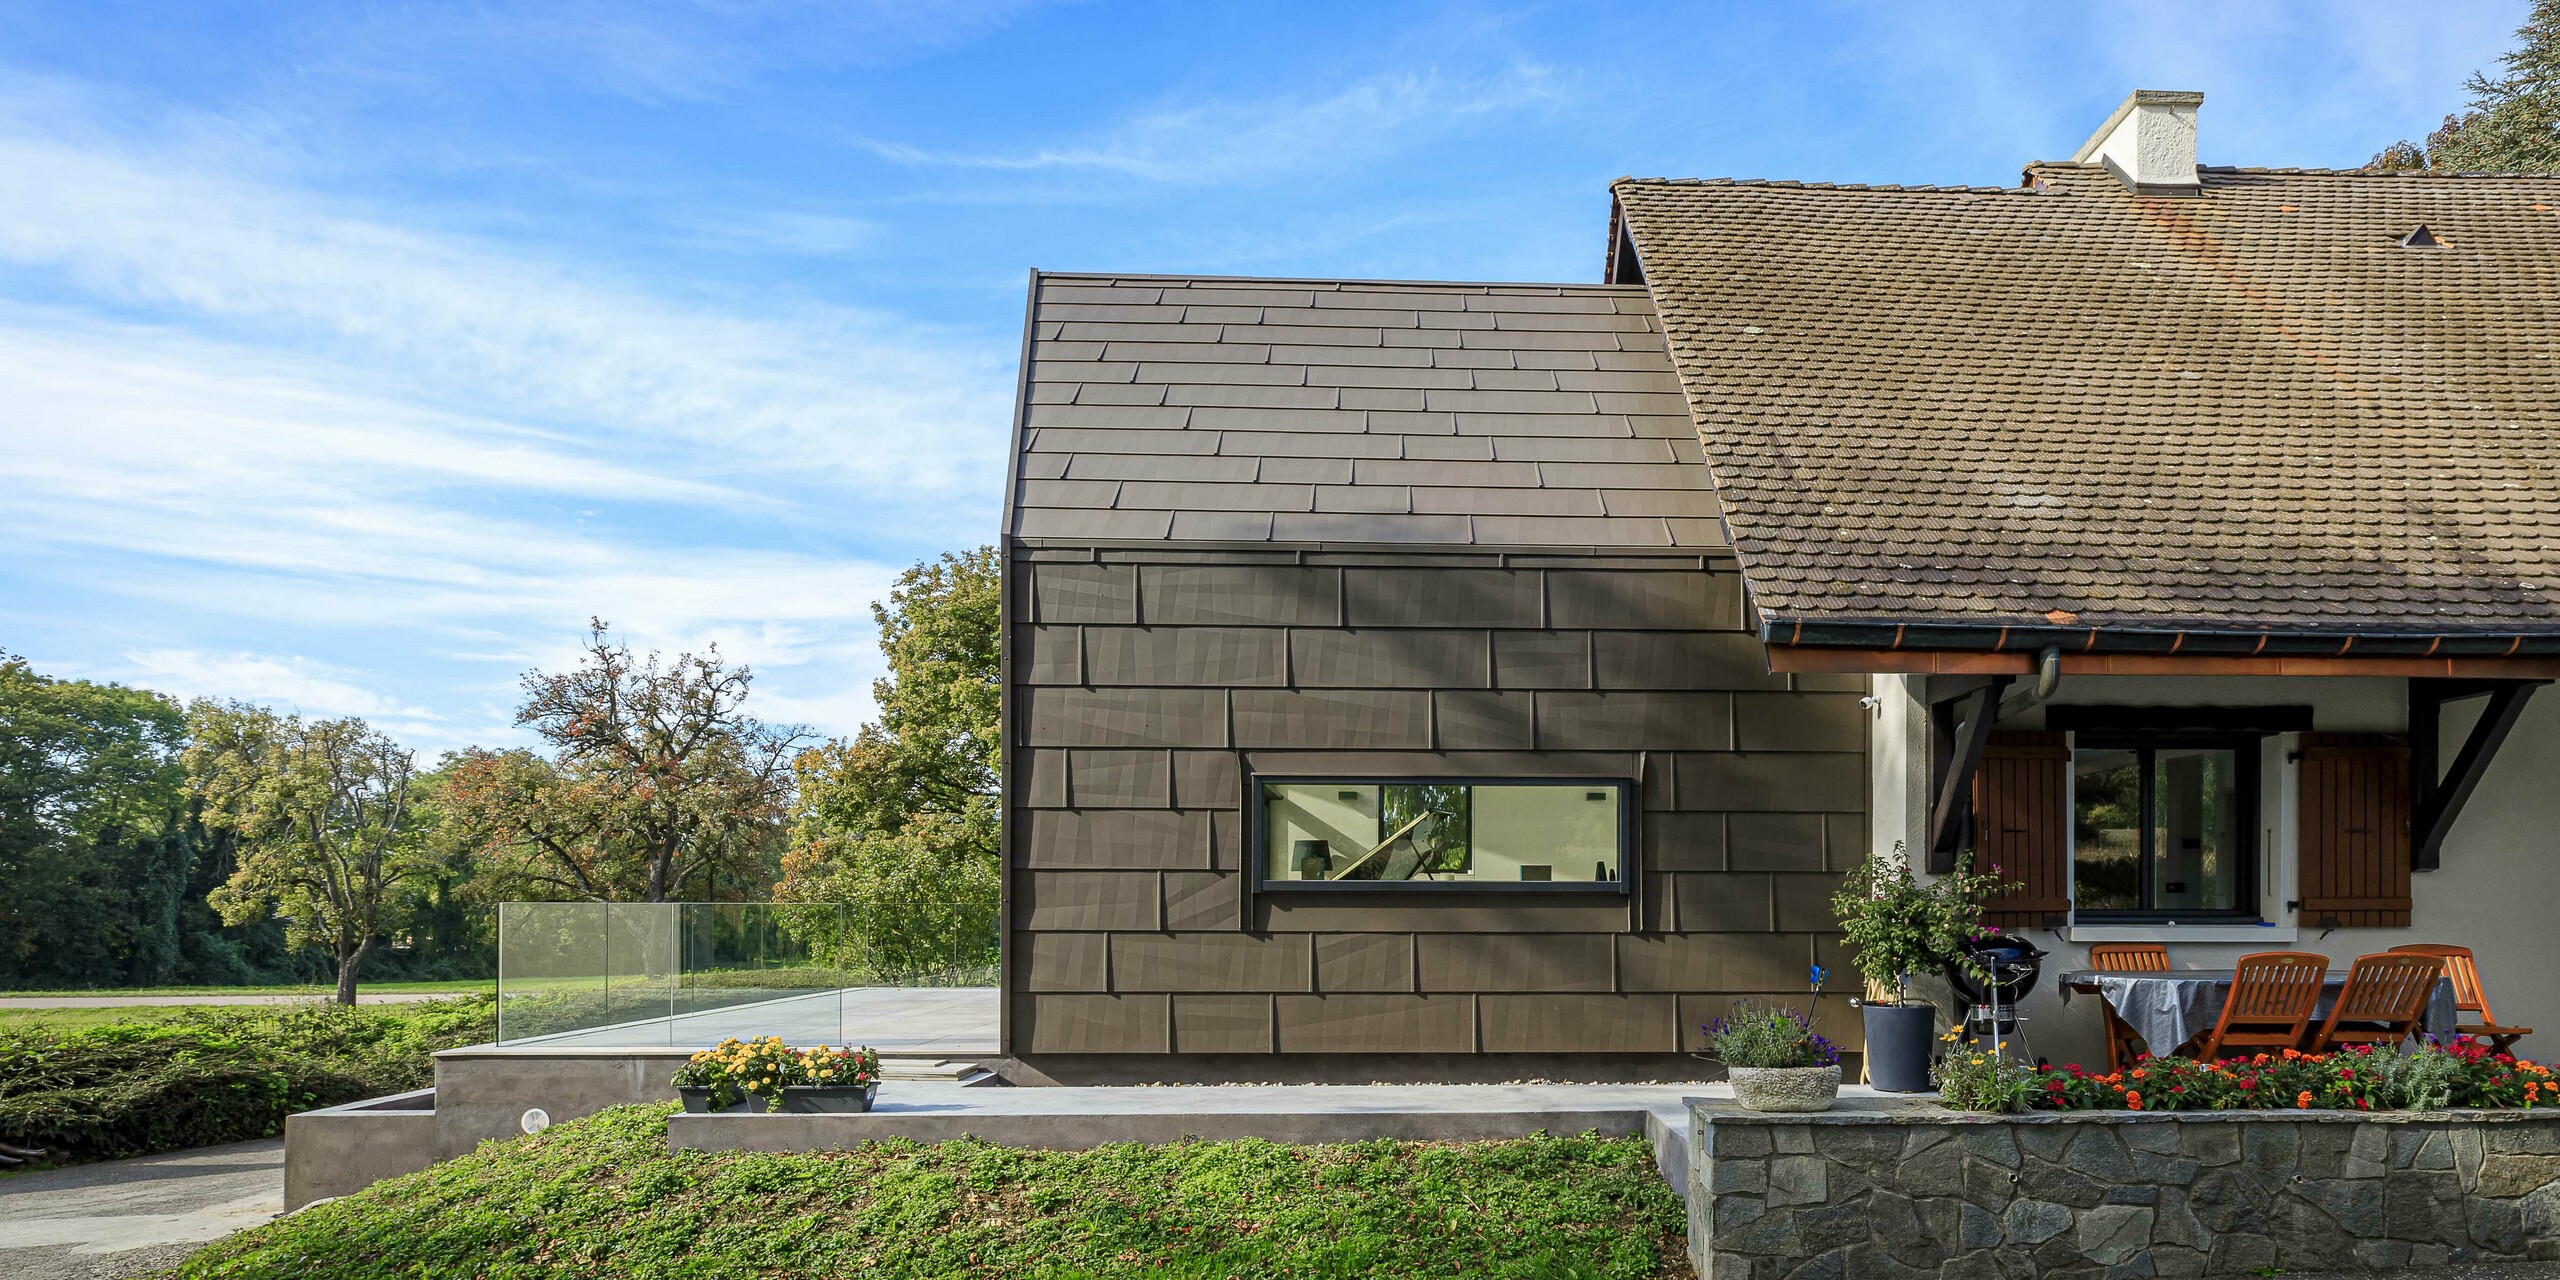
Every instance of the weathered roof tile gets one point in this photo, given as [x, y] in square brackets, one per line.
[2246, 410]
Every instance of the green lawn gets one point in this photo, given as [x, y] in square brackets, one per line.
[66, 1020]
[604, 1196]
[455, 986]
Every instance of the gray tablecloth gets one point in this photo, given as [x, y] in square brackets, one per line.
[2169, 1009]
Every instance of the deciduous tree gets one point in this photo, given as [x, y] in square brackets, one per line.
[92, 861]
[2513, 122]
[328, 821]
[658, 783]
[900, 822]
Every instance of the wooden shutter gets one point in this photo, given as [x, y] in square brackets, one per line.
[2354, 831]
[2022, 825]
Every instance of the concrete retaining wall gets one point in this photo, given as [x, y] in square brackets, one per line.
[338, 1150]
[1892, 1190]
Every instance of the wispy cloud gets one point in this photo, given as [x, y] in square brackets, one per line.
[494, 328]
[1267, 140]
[652, 51]
[292, 684]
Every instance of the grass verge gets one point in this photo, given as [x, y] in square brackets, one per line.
[604, 1196]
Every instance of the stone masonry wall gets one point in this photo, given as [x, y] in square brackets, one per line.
[1887, 1190]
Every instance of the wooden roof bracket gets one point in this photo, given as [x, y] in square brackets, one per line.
[2436, 794]
[1959, 725]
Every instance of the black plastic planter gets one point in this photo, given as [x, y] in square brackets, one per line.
[1899, 1037]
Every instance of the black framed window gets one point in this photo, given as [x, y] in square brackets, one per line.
[1535, 834]
[2164, 825]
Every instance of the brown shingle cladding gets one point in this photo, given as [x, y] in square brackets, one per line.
[1146, 694]
[2250, 410]
[1344, 412]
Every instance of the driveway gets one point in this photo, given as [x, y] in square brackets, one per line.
[129, 1217]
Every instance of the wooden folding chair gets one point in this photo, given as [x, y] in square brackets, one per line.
[2272, 996]
[2468, 996]
[2129, 957]
[2125, 957]
[2383, 1002]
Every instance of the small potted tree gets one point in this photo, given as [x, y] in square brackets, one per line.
[1774, 1059]
[1897, 927]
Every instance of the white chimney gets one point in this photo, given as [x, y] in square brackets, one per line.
[2149, 144]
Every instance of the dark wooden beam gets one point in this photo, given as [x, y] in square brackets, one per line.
[1795, 658]
[1966, 723]
[2436, 803]
[1938, 690]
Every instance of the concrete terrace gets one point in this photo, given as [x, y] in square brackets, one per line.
[956, 1021]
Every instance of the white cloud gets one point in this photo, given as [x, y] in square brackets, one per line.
[294, 684]
[1227, 143]
[489, 328]
[781, 231]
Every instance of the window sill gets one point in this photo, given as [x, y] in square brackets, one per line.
[2183, 933]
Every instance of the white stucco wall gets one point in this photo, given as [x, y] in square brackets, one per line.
[2498, 891]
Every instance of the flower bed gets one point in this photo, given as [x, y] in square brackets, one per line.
[2464, 1074]
[735, 1071]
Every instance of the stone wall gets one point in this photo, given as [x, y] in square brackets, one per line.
[1879, 1190]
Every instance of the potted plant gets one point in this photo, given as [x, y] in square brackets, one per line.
[1774, 1059]
[733, 1074]
[1897, 927]
[824, 1079]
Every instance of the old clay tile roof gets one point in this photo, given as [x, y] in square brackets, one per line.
[2250, 410]
[1353, 413]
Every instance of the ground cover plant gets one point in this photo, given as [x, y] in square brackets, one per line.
[604, 1196]
[205, 1075]
[2462, 1073]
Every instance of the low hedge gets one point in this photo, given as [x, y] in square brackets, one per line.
[216, 1075]
[604, 1196]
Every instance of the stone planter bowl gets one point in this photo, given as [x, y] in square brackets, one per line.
[1785, 1088]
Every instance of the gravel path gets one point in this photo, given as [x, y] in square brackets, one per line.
[131, 1217]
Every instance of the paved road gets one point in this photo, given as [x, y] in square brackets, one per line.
[127, 1002]
[130, 1217]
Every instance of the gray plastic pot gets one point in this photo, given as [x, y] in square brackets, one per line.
[1899, 1038]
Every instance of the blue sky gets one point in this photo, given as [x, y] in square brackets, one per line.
[352, 355]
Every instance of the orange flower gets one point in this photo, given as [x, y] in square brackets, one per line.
[2302, 1099]
[2133, 1101]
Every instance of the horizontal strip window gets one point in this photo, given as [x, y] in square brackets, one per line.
[1537, 835]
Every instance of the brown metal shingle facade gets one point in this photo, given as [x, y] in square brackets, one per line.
[1379, 530]
[2067, 405]
[1136, 929]
[1354, 413]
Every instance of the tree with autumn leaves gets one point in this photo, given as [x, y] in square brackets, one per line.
[658, 785]
[652, 782]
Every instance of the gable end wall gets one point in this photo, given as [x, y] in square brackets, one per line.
[1146, 685]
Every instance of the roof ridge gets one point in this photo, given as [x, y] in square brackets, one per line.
[1585, 286]
[1796, 184]
[2312, 172]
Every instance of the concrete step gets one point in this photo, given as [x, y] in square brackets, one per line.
[952, 1070]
